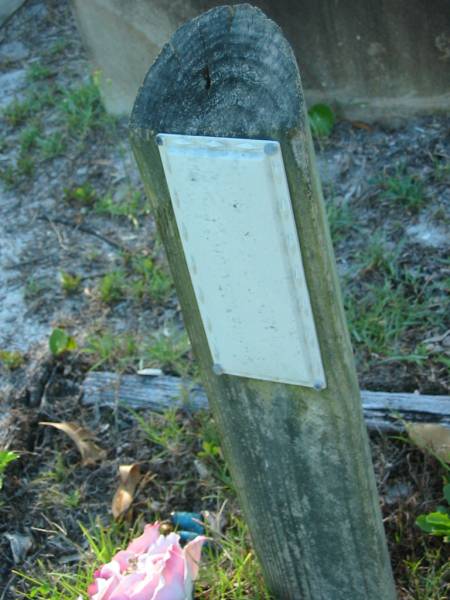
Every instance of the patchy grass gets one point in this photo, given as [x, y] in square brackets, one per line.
[341, 219]
[11, 359]
[132, 204]
[70, 283]
[34, 287]
[170, 350]
[390, 308]
[29, 138]
[52, 145]
[82, 110]
[37, 71]
[108, 350]
[112, 287]
[149, 282]
[104, 541]
[402, 188]
[81, 195]
[74, 114]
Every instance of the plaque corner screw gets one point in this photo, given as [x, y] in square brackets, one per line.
[159, 140]
[270, 148]
[319, 385]
[217, 369]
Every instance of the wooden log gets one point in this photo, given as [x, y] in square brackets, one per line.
[299, 455]
[383, 411]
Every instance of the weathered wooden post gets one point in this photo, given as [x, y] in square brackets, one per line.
[220, 133]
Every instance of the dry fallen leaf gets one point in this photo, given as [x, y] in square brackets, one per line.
[429, 436]
[130, 476]
[20, 545]
[83, 439]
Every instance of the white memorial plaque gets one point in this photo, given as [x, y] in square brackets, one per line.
[233, 211]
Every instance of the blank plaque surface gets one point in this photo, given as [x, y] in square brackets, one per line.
[233, 211]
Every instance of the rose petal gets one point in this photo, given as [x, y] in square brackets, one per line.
[105, 587]
[145, 589]
[122, 558]
[143, 542]
[172, 585]
[192, 552]
[111, 569]
[127, 585]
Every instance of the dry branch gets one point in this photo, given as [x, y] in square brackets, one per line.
[382, 410]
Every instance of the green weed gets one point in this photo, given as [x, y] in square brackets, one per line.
[6, 457]
[438, 523]
[11, 359]
[85, 195]
[18, 111]
[61, 342]
[103, 543]
[321, 120]
[34, 287]
[52, 145]
[114, 351]
[29, 138]
[83, 110]
[341, 220]
[166, 431]
[170, 353]
[379, 319]
[37, 72]
[403, 189]
[233, 573]
[428, 577]
[378, 258]
[8, 176]
[211, 452]
[25, 166]
[112, 287]
[58, 47]
[70, 283]
[441, 170]
[131, 205]
[149, 282]
[389, 307]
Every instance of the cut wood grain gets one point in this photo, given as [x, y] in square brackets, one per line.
[383, 411]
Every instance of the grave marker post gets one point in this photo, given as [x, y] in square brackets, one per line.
[219, 130]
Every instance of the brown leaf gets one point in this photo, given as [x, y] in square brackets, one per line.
[429, 436]
[90, 452]
[130, 476]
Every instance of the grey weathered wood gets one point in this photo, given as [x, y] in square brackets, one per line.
[104, 389]
[383, 411]
[299, 457]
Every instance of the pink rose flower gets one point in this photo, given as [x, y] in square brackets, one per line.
[153, 567]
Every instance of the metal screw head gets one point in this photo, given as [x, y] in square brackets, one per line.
[159, 140]
[217, 369]
[271, 148]
[319, 385]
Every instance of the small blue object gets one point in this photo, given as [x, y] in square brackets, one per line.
[188, 522]
[187, 536]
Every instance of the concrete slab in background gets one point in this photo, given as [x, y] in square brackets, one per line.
[8, 8]
[371, 59]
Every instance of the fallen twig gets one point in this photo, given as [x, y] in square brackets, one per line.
[84, 229]
[382, 410]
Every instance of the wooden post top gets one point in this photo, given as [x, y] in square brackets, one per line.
[209, 79]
